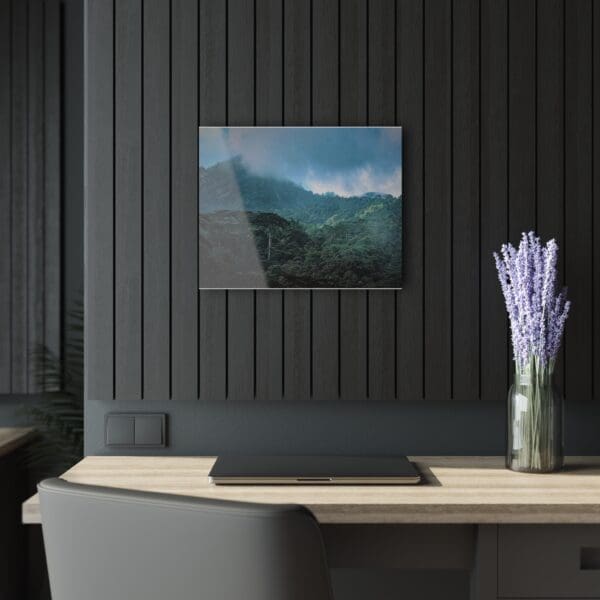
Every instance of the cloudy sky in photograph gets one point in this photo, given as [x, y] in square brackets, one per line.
[348, 161]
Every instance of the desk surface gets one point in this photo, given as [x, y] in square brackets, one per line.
[12, 438]
[457, 490]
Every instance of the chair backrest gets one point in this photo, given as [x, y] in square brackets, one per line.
[111, 544]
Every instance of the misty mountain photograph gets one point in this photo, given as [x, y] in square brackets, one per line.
[300, 207]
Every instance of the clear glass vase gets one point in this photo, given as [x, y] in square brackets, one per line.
[535, 422]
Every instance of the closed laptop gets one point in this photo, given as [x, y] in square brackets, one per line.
[320, 470]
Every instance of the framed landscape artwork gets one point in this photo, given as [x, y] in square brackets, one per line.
[300, 207]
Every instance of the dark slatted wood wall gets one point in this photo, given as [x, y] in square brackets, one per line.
[497, 100]
[30, 188]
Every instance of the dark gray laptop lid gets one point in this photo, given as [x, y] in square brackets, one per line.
[244, 466]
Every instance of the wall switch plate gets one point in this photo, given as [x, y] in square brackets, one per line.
[119, 430]
[150, 430]
[136, 430]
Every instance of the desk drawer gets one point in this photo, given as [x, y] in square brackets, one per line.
[550, 561]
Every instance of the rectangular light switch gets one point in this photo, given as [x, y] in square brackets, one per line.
[150, 430]
[119, 430]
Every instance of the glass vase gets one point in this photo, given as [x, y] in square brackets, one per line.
[535, 422]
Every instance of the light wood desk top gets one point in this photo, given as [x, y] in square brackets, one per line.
[12, 438]
[457, 490]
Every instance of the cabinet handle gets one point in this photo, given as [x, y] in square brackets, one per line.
[590, 559]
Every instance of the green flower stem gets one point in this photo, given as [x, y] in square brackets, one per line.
[536, 419]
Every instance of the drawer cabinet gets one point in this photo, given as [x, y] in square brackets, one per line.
[545, 562]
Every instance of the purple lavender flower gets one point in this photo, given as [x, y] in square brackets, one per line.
[537, 314]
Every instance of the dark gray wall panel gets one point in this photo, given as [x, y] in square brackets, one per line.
[578, 196]
[240, 111]
[325, 111]
[353, 334]
[438, 198]
[353, 111]
[213, 350]
[240, 345]
[381, 111]
[19, 181]
[212, 84]
[30, 190]
[53, 296]
[184, 199]
[596, 195]
[156, 206]
[465, 199]
[297, 110]
[409, 100]
[269, 61]
[99, 202]
[269, 111]
[325, 62]
[521, 117]
[212, 98]
[494, 213]
[269, 358]
[497, 124]
[35, 187]
[550, 131]
[128, 198]
[5, 197]
[296, 344]
[325, 345]
[31, 266]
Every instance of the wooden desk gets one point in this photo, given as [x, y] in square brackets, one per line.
[518, 535]
[458, 490]
[12, 438]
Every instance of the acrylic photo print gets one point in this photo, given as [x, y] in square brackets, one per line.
[300, 207]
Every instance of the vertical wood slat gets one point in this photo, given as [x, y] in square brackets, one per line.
[438, 199]
[212, 111]
[382, 111]
[550, 133]
[353, 111]
[52, 177]
[156, 199]
[128, 199]
[596, 196]
[269, 111]
[465, 204]
[494, 226]
[19, 349]
[269, 61]
[98, 182]
[325, 105]
[35, 190]
[578, 198]
[521, 117]
[409, 367]
[269, 356]
[241, 108]
[5, 197]
[184, 194]
[297, 111]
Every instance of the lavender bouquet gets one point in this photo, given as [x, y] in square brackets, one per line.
[537, 315]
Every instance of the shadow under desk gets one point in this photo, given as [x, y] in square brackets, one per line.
[519, 535]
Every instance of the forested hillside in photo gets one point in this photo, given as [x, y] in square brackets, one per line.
[258, 231]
